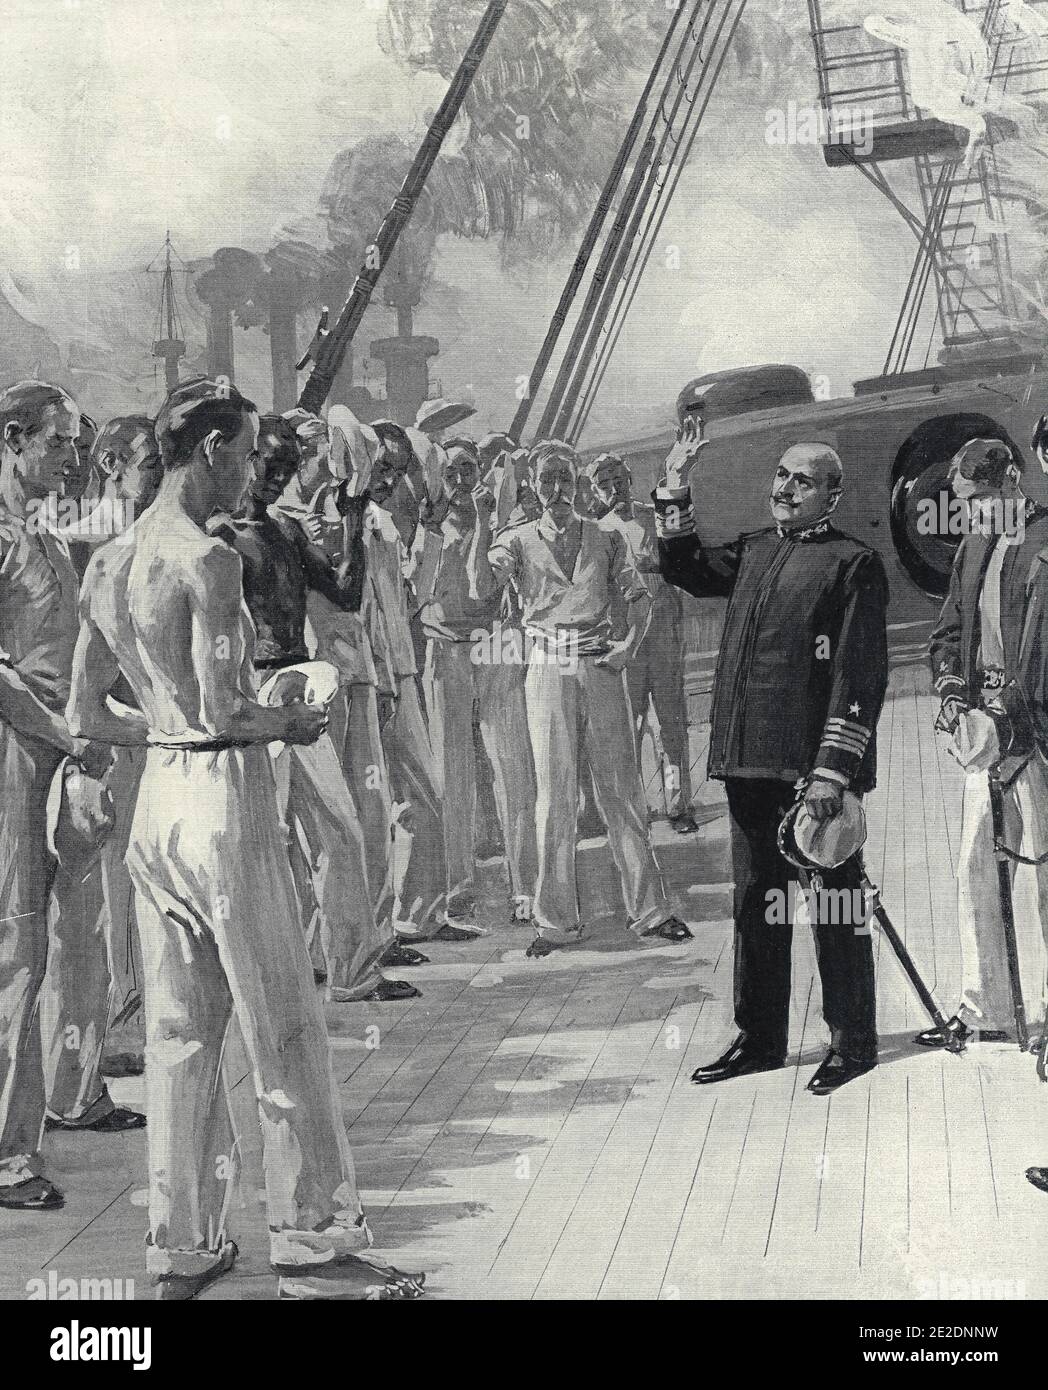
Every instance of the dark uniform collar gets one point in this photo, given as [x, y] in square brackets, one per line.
[817, 528]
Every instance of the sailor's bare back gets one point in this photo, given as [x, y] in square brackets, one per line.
[163, 604]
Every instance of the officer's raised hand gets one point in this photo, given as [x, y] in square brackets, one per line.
[823, 798]
[683, 456]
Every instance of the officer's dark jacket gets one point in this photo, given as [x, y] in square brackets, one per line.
[1021, 705]
[803, 661]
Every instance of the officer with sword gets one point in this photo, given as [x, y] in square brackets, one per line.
[989, 656]
[801, 677]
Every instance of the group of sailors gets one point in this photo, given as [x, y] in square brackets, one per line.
[250, 722]
[242, 742]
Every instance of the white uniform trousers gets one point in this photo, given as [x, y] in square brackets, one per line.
[454, 681]
[986, 999]
[220, 934]
[419, 873]
[75, 997]
[656, 675]
[125, 960]
[587, 708]
[26, 873]
[315, 800]
[357, 738]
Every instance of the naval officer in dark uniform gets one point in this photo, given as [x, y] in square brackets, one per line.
[801, 677]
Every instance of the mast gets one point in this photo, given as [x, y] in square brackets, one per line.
[171, 347]
[328, 350]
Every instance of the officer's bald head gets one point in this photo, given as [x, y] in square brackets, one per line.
[806, 486]
[821, 457]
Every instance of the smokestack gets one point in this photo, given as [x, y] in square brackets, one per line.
[230, 284]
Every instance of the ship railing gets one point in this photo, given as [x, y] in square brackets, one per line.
[852, 69]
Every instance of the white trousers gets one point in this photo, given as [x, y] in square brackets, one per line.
[54, 973]
[656, 678]
[588, 709]
[419, 864]
[986, 999]
[124, 960]
[355, 733]
[314, 798]
[454, 681]
[75, 997]
[220, 933]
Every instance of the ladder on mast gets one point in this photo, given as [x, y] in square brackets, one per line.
[963, 212]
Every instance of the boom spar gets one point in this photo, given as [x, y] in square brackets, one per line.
[328, 349]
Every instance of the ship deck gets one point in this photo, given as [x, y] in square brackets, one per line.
[527, 1130]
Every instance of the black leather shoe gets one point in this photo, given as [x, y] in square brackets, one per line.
[460, 931]
[35, 1194]
[1038, 1176]
[836, 1071]
[741, 1059]
[960, 1032]
[392, 992]
[115, 1121]
[539, 947]
[671, 929]
[398, 954]
[684, 824]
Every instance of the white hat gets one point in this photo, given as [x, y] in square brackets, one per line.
[313, 682]
[823, 844]
[432, 457]
[434, 416]
[354, 447]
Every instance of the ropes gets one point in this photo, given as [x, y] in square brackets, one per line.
[661, 189]
[668, 139]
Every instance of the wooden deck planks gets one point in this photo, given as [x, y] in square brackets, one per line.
[528, 1130]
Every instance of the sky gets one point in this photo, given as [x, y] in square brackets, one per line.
[219, 119]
